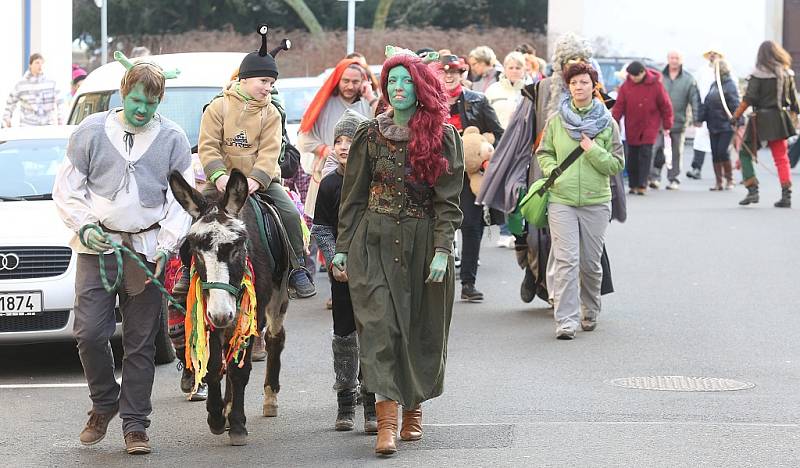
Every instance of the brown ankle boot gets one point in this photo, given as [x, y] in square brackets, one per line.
[387, 427]
[718, 184]
[727, 169]
[412, 425]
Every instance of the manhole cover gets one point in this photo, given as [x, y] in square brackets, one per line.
[679, 383]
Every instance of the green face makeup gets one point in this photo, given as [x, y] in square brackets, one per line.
[139, 108]
[400, 86]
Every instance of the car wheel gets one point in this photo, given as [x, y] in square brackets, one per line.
[165, 352]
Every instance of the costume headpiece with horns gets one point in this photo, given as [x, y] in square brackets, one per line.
[262, 63]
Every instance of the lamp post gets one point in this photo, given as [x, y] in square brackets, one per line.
[351, 24]
[103, 6]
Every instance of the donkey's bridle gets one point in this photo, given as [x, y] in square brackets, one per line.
[233, 290]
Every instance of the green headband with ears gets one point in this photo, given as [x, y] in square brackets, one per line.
[121, 58]
[394, 50]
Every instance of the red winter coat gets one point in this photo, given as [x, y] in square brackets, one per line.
[646, 108]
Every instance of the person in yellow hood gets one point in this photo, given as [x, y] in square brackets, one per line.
[243, 130]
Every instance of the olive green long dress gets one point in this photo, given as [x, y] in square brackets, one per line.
[390, 226]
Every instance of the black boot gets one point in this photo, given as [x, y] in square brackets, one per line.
[345, 418]
[470, 294]
[752, 195]
[187, 376]
[345, 368]
[786, 197]
[370, 419]
[527, 290]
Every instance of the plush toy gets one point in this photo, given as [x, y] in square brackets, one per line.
[478, 150]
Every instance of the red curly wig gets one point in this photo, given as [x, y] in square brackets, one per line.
[427, 124]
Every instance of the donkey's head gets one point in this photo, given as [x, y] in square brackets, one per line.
[216, 241]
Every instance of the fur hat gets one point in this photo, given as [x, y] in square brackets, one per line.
[346, 126]
[478, 150]
[262, 63]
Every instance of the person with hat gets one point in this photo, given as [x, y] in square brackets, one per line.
[243, 130]
[347, 87]
[468, 108]
[78, 75]
[115, 178]
[345, 341]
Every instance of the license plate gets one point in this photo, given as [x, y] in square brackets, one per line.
[20, 303]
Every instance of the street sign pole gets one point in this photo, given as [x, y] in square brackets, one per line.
[104, 30]
[351, 24]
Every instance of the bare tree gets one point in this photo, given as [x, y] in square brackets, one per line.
[381, 13]
[307, 16]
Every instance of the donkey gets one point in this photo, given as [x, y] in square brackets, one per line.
[224, 234]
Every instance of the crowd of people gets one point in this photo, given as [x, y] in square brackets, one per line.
[392, 169]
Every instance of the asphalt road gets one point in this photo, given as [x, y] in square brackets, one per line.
[705, 288]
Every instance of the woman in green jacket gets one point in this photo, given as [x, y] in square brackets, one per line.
[579, 209]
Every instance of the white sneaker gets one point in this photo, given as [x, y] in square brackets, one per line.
[506, 242]
[563, 333]
[673, 186]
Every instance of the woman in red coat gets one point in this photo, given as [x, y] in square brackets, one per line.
[645, 104]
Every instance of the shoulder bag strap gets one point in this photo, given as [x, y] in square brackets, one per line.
[573, 156]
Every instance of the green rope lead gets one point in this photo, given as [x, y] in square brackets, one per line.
[118, 251]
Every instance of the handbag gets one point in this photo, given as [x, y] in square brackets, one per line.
[534, 205]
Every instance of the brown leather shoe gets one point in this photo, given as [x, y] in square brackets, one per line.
[96, 427]
[412, 425]
[387, 427]
[137, 443]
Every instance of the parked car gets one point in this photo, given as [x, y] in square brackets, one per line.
[37, 266]
[203, 76]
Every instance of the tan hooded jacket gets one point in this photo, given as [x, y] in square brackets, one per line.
[243, 135]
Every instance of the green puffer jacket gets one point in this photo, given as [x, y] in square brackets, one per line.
[586, 181]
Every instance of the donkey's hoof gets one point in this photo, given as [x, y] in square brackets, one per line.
[270, 403]
[216, 425]
[238, 439]
[270, 411]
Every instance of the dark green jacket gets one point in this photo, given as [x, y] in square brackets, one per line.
[682, 93]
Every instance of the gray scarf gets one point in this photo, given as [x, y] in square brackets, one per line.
[592, 123]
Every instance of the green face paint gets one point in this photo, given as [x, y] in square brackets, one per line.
[400, 86]
[139, 108]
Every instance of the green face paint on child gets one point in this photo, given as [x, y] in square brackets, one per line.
[400, 86]
[138, 107]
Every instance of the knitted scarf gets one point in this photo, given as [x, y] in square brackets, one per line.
[591, 123]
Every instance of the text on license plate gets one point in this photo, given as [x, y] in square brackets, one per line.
[22, 303]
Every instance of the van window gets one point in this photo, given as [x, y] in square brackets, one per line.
[184, 106]
[296, 101]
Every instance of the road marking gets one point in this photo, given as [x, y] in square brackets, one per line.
[50, 385]
[625, 423]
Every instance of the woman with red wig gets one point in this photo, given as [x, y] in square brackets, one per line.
[398, 214]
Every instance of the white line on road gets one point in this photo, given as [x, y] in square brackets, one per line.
[48, 385]
[624, 423]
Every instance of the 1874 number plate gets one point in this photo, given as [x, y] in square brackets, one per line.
[20, 303]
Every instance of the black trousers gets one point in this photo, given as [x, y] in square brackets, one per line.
[471, 234]
[699, 157]
[719, 146]
[639, 158]
[343, 321]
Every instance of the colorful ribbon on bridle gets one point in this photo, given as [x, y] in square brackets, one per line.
[198, 326]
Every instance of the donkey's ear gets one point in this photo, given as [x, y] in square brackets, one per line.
[190, 199]
[236, 193]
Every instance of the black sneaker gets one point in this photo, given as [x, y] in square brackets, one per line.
[470, 294]
[300, 282]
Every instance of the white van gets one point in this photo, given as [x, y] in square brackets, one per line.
[37, 265]
[203, 75]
